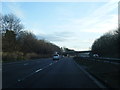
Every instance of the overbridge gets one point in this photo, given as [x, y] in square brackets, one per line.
[75, 52]
[83, 51]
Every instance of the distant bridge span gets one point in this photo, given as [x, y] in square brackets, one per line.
[82, 51]
[76, 52]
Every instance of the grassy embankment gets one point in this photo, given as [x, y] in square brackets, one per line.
[108, 73]
[19, 56]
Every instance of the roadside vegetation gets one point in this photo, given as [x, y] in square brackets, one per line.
[108, 45]
[107, 73]
[19, 44]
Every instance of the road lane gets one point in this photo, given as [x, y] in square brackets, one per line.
[13, 72]
[18, 65]
[63, 74]
[55, 74]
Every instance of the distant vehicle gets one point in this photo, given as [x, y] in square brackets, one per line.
[95, 55]
[56, 57]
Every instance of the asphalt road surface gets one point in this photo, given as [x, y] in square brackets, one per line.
[45, 73]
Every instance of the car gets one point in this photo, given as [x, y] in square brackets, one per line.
[95, 55]
[56, 57]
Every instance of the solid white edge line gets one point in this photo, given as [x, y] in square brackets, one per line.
[100, 85]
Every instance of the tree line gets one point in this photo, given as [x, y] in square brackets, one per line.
[19, 44]
[108, 45]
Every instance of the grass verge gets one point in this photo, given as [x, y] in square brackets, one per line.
[106, 72]
[19, 56]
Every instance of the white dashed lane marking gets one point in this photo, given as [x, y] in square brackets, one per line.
[19, 80]
[26, 64]
[50, 63]
[38, 70]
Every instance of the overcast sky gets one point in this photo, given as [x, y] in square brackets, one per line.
[70, 24]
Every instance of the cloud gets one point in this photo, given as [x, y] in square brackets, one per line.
[104, 26]
[99, 21]
[55, 36]
[75, 32]
[16, 9]
[87, 29]
[80, 33]
[105, 9]
[0, 7]
[57, 0]
[50, 37]
[54, 0]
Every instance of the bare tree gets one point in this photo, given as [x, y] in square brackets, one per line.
[23, 42]
[11, 22]
[107, 45]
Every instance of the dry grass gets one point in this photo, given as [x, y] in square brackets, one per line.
[107, 72]
[17, 56]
